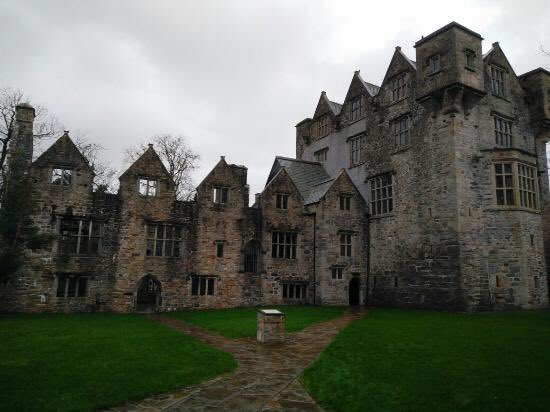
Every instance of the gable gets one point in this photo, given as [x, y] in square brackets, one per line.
[325, 106]
[64, 153]
[148, 164]
[358, 87]
[226, 172]
[497, 57]
[398, 64]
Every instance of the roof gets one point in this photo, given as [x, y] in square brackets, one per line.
[535, 71]
[335, 107]
[411, 62]
[308, 177]
[449, 26]
[372, 89]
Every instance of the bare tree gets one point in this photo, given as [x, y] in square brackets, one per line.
[105, 175]
[180, 160]
[44, 125]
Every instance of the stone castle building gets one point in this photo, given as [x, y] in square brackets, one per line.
[429, 191]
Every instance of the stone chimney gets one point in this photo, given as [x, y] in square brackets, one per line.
[21, 144]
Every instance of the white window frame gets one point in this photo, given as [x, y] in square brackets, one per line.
[148, 187]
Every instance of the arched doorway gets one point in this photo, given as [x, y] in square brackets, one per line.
[148, 294]
[354, 291]
[252, 257]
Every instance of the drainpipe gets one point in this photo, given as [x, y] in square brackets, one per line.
[314, 258]
[368, 258]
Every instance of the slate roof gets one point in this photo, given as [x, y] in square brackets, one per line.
[335, 107]
[310, 178]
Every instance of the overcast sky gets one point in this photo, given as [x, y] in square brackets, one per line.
[234, 77]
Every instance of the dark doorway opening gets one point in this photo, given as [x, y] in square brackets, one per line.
[354, 289]
[252, 257]
[148, 294]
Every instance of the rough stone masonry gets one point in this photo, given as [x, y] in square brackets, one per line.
[428, 191]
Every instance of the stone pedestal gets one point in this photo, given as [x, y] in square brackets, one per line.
[271, 326]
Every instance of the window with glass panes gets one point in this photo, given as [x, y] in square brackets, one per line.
[221, 195]
[321, 155]
[434, 63]
[345, 244]
[71, 286]
[498, 81]
[164, 240]
[503, 132]
[356, 109]
[527, 179]
[399, 87]
[202, 285]
[356, 146]
[283, 245]
[345, 202]
[323, 126]
[79, 236]
[381, 194]
[281, 201]
[337, 272]
[401, 131]
[504, 183]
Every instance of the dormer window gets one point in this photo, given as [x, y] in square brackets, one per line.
[356, 108]
[323, 126]
[221, 195]
[434, 63]
[62, 177]
[148, 187]
[498, 81]
[399, 87]
[281, 201]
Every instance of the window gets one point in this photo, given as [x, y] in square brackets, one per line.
[345, 202]
[295, 291]
[356, 108]
[337, 273]
[72, 286]
[283, 245]
[399, 87]
[164, 240]
[221, 195]
[148, 187]
[356, 147]
[79, 236]
[503, 132]
[434, 63]
[281, 201]
[62, 177]
[498, 80]
[345, 244]
[527, 186]
[381, 195]
[219, 249]
[252, 254]
[202, 285]
[401, 132]
[323, 126]
[509, 193]
[470, 56]
[321, 155]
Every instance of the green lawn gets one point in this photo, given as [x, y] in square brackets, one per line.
[241, 322]
[395, 360]
[90, 361]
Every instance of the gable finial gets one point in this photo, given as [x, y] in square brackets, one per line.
[495, 44]
[150, 145]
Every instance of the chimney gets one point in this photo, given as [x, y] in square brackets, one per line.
[21, 144]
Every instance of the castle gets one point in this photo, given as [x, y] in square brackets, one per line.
[428, 191]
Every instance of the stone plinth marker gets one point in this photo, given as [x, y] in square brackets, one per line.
[271, 326]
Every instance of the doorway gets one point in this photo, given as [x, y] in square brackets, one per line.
[148, 294]
[354, 291]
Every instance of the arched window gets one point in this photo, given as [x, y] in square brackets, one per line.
[252, 257]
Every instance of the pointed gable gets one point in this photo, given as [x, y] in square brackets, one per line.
[148, 164]
[399, 63]
[325, 106]
[496, 56]
[63, 153]
[359, 87]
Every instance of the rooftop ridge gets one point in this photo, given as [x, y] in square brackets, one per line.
[444, 29]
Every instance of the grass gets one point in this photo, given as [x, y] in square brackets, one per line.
[241, 322]
[394, 360]
[86, 362]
